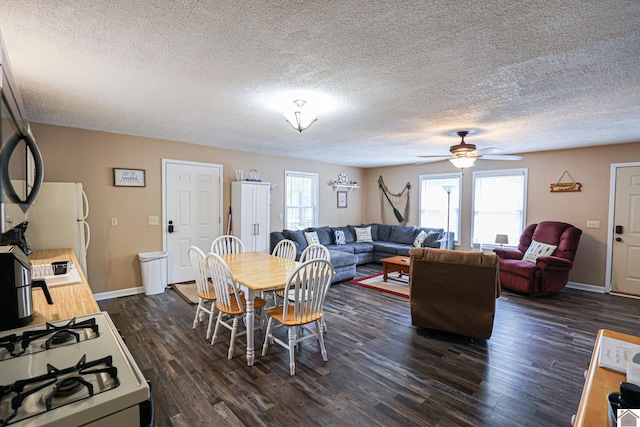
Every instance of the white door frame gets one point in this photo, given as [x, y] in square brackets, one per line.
[612, 199]
[164, 192]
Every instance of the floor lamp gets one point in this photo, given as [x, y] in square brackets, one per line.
[448, 189]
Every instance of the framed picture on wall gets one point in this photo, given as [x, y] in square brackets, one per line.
[128, 177]
[342, 199]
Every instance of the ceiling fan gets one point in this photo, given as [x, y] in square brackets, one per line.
[464, 155]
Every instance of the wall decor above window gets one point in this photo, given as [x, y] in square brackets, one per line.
[565, 187]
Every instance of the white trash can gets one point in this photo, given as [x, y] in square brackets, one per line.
[154, 271]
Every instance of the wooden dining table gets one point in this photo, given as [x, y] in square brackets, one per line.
[257, 272]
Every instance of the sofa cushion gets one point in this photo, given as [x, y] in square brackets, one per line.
[516, 266]
[324, 234]
[404, 250]
[341, 259]
[339, 238]
[403, 234]
[312, 237]
[297, 236]
[374, 230]
[361, 247]
[386, 247]
[363, 234]
[417, 242]
[431, 239]
[348, 236]
[537, 249]
[341, 248]
[384, 231]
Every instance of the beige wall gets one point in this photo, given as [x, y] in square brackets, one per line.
[589, 166]
[89, 157]
[77, 155]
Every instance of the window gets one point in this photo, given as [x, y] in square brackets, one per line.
[434, 201]
[499, 205]
[301, 200]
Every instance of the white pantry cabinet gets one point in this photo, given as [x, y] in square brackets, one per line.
[251, 214]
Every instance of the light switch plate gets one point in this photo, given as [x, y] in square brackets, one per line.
[153, 220]
[114, 222]
[593, 224]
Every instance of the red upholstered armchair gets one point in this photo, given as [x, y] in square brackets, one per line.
[548, 273]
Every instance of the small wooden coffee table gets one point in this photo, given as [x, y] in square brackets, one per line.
[398, 263]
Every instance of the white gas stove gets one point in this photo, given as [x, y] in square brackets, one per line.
[76, 372]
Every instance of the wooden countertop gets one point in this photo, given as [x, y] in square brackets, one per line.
[68, 300]
[593, 409]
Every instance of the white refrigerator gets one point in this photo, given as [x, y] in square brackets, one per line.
[57, 219]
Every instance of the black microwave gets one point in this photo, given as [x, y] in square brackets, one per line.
[21, 169]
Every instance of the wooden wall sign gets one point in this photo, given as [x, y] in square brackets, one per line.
[565, 187]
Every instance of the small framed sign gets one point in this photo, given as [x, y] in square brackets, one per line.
[128, 177]
[342, 199]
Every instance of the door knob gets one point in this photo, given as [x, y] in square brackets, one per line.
[170, 227]
[618, 239]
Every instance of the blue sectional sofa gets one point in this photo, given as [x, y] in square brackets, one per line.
[360, 244]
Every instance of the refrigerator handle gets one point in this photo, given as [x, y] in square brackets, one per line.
[85, 201]
[87, 236]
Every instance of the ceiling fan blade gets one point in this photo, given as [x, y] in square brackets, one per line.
[489, 150]
[501, 157]
[441, 156]
[434, 159]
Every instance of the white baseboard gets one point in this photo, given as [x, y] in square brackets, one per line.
[585, 287]
[120, 293]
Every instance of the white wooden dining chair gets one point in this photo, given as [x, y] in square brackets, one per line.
[285, 249]
[204, 289]
[227, 244]
[307, 288]
[230, 301]
[315, 251]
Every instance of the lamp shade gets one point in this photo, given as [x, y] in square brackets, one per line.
[502, 239]
[463, 162]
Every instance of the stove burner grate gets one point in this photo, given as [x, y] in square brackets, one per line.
[17, 345]
[63, 384]
[68, 387]
[62, 337]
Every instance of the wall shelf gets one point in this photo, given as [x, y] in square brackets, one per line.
[349, 187]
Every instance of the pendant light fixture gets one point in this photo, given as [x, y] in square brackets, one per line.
[463, 162]
[300, 118]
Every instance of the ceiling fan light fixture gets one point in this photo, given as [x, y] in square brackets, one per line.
[463, 162]
[300, 118]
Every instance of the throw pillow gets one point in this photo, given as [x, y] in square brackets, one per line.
[340, 238]
[419, 239]
[431, 239]
[537, 249]
[312, 237]
[363, 234]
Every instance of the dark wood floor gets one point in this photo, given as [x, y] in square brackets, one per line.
[381, 370]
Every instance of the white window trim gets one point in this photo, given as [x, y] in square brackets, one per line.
[442, 176]
[314, 196]
[500, 172]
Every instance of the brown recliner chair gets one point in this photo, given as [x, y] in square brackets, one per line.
[548, 273]
[454, 291]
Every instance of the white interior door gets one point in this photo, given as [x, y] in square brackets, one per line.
[625, 262]
[192, 212]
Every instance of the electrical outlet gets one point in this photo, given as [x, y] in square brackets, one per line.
[593, 224]
[153, 220]
[114, 222]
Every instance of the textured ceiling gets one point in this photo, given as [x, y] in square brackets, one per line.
[391, 80]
